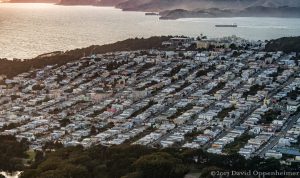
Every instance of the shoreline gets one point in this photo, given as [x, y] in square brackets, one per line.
[11, 68]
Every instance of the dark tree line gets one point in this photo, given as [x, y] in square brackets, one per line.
[126, 161]
[12, 153]
[286, 44]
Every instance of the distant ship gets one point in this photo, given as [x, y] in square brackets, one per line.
[151, 13]
[233, 25]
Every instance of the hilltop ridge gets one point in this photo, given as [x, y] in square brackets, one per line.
[161, 5]
[202, 8]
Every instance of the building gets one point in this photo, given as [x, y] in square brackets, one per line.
[180, 41]
[273, 154]
[292, 106]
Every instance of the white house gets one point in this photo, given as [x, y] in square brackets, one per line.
[292, 106]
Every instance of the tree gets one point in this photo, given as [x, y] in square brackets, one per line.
[134, 161]
[161, 165]
[286, 44]
[12, 153]
[52, 174]
[269, 116]
[50, 164]
[38, 87]
[206, 172]
[53, 145]
[269, 165]
[29, 173]
[64, 122]
[93, 130]
[235, 54]
[233, 46]
[73, 171]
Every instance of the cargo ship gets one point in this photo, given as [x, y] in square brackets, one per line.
[151, 13]
[233, 25]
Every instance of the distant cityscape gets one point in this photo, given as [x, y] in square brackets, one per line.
[223, 95]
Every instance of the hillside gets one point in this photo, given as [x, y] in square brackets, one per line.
[256, 11]
[161, 5]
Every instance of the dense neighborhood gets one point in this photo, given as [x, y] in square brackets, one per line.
[224, 96]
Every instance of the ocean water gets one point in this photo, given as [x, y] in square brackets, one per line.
[27, 30]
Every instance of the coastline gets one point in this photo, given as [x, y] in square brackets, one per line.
[11, 68]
